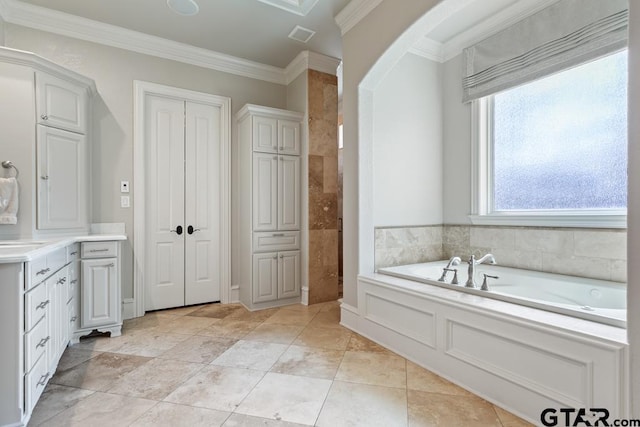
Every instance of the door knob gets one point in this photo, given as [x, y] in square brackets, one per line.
[178, 230]
[191, 230]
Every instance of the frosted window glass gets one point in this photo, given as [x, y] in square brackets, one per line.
[561, 141]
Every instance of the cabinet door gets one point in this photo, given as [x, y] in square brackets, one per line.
[288, 274]
[61, 104]
[62, 179]
[289, 137]
[265, 192]
[99, 293]
[265, 134]
[265, 277]
[289, 193]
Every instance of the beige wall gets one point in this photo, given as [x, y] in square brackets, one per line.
[114, 71]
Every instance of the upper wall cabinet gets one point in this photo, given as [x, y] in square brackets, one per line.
[273, 135]
[60, 104]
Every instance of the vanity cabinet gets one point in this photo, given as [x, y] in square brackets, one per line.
[46, 120]
[267, 178]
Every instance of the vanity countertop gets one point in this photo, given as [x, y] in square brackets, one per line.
[29, 249]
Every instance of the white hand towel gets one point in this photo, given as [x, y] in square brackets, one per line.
[8, 201]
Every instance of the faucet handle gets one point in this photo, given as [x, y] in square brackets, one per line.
[484, 286]
[455, 275]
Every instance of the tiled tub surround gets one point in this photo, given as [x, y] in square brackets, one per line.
[592, 253]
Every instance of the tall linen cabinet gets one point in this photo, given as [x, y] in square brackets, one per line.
[266, 266]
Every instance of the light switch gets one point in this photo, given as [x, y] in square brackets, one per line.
[124, 201]
[124, 187]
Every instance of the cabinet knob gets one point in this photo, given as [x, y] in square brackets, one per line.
[281, 256]
[44, 117]
[45, 177]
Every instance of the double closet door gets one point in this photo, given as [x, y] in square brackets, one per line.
[183, 177]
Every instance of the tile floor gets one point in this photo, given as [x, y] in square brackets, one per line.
[221, 365]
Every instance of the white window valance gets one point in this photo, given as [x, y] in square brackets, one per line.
[560, 36]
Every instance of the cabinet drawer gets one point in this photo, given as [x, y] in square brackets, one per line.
[36, 343]
[74, 278]
[35, 306]
[34, 383]
[276, 241]
[73, 252]
[99, 249]
[56, 259]
[37, 271]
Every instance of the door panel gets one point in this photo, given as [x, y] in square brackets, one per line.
[265, 192]
[289, 274]
[289, 136]
[99, 292]
[265, 134]
[164, 134]
[289, 193]
[202, 190]
[60, 104]
[265, 277]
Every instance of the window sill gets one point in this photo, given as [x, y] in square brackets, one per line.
[543, 219]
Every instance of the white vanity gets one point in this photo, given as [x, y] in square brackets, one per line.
[52, 293]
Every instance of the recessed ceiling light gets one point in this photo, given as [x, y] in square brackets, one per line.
[184, 7]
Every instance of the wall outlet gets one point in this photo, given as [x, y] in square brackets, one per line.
[124, 201]
[124, 186]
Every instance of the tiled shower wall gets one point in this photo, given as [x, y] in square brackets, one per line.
[592, 253]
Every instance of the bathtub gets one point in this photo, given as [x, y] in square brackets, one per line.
[595, 300]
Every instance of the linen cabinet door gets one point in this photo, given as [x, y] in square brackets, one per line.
[289, 274]
[61, 183]
[265, 192]
[289, 137]
[60, 104]
[265, 277]
[99, 292]
[289, 193]
[265, 134]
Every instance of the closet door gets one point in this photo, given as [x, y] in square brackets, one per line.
[202, 213]
[165, 204]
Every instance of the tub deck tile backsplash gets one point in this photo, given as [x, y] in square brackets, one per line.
[592, 253]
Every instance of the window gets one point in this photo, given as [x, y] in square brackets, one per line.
[554, 151]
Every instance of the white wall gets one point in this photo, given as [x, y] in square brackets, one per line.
[407, 145]
[114, 71]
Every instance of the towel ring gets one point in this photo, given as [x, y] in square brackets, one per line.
[7, 164]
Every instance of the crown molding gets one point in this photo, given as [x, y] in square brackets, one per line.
[40, 18]
[428, 48]
[353, 13]
[307, 60]
[299, 7]
[492, 25]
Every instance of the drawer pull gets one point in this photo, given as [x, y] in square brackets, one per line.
[61, 281]
[99, 250]
[73, 319]
[44, 117]
[74, 281]
[43, 379]
[43, 304]
[43, 342]
[43, 271]
[281, 256]
[74, 253]
[278, 234]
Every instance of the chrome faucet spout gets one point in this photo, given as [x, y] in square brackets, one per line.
[488, 257]
[471, 280]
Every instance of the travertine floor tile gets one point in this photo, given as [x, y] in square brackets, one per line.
[217, 311]
[356, 405]
[373, 368]
[170, 414]
[148, 343]
[183, 311]
[186, 325]
[54, 400]
[326, 319]
[230, 328]
[99, 373]
[74, 356]
[332, 339]
[252, 316]
[286, 397]
[291, 317]
[433, 409]
[216, 387]
[149, 320]
[198, 349]
[309, 362]
[155, 379]
[273, 332]
[510, 420]
[360, 343]
[251, 355]
[315, 308]
[240, 420]
[421, 379]
[101, 409]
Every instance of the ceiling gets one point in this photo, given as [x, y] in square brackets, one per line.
[248, 29]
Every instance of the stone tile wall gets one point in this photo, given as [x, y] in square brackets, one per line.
[592, 253]
[323, 187]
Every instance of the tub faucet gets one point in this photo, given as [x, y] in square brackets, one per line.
[453, 261]
[471, 280]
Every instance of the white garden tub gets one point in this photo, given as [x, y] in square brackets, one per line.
[596, 300]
